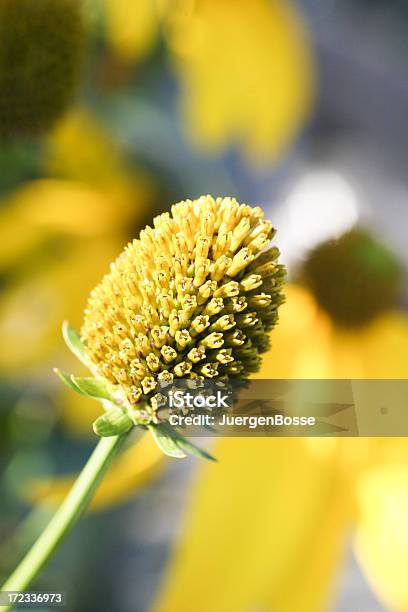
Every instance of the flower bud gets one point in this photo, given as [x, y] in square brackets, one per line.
[209, 308]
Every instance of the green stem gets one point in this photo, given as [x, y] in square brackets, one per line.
[65, 517]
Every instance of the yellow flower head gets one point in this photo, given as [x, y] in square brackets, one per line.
[354, 278]
[192, 297]
[41, 56]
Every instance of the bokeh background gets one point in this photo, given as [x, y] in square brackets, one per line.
[300, 107]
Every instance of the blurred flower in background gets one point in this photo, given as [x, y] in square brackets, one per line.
[278, 511]
[42, 52]
[354, 278]
[246, 70]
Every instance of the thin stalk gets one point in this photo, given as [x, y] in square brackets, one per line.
[65, 517]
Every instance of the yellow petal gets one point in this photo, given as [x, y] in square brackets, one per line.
[76, 412]
[68, 232]
[381, 539]
[385, 347]
[131, 26]
[79, 149]
[300, 342]
[32, 309]
[246, 70]
[377, 467]
[269, 515]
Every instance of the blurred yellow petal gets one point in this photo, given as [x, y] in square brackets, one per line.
[133, 469]
[377, 467]
[131, 27]
[51, 206]
[77, 412]
[300, 342]
[382, 531]
[79, 149]
[246, 70]
[306, 344]
[385, 347]
[48, 286]
[272, 512]
[346, 358]
[263, 531]
[379, 350]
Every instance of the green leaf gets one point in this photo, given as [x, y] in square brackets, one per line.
[115, 422]
[74, 343]
[93, 387]
[90, 387]
[165, 442]
[67, 380]
[191, 448]
[185, 444]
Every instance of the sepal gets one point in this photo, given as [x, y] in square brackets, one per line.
[74, 343]
[174, 444]
[166, 442]
[114, 422]
[91, 387]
